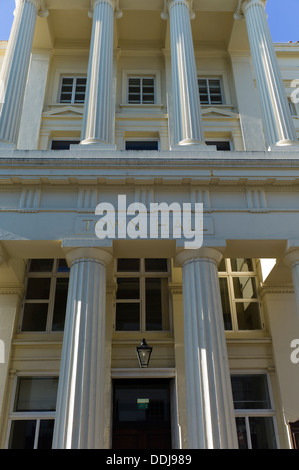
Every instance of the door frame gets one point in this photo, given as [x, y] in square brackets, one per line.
[169, 373]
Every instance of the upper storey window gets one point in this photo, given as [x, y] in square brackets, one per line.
[141, 90]
[210, 91]
[72, 90]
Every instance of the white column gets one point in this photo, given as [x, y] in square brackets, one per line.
[15, 68]
[98, 115]
[80, 411]
[279, 128]
[187, 122]
[291, 259]
[210, 412]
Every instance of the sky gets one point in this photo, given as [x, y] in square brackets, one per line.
[283, 18]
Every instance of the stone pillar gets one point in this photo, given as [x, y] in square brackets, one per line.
[15, 68]
[279, 128]
[80, 402]
[210, 411]
[98, 115]
[187, 122]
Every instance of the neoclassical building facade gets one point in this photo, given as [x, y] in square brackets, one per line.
[108, 107]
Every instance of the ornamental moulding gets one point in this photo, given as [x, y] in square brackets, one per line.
[113, 3]
[168, 4]
[40, 6]
[243, 5]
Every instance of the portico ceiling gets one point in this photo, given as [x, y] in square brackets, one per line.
[68, 21]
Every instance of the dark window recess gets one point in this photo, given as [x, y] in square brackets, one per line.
[142, 145]
[220, 145]
[294, 427]
[63, 144]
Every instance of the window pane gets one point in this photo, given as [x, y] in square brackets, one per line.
[221, 266]
[128, 265]
[60, 304]
[127, 288]
[156, 265]
[142, 145]
[153, 287]
[45, 437]
[248, 316]
[62, 266]
[22, 434]
[245, 287]
[262, 433]
[127, 317]
[35, 317]
[225, 303]
[41, 265]
[242, 264]
[241, 433]
[36, 394]
[38, 288]
[250, 392]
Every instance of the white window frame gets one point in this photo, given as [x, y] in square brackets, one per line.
[53, 275]
[141, 78]
[142, 275]
[229, 275]
[261, 413]
[208, 78]
[74, 78]
[37, 416]
[139, 73]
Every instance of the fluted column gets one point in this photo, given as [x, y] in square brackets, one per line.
[15, 68]
[210, 412]
[291, 259]
[188, 128]
[279, 128]
[98, 115]
[80, 403]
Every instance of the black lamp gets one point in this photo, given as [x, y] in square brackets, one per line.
[144, 353]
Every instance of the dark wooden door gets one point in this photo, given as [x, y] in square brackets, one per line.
[141, 415]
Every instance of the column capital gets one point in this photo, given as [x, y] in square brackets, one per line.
[243, 6]
[291, 258]
[113, 3]
[203, 253]
[90, 254]
[40, 6]
[168, 4]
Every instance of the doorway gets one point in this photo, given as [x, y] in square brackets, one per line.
[141, 414]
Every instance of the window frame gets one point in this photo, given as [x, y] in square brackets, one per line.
[139, 73]
[37, 416]
[259, 412]
[53, 276]
[141, 78]
[142, 275]
[74, 86]
[229, 275]
[207, 79]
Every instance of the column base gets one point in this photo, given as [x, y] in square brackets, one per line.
[284, 146]
[4, 145]
[93, 144]
[189, 145]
